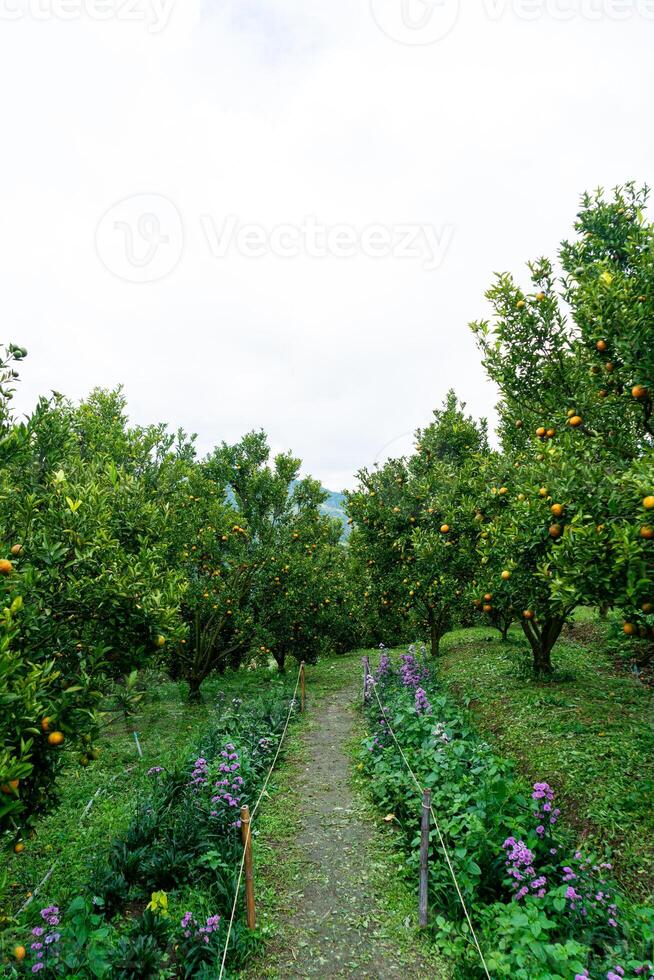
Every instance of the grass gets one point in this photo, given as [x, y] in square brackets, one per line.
[588, 731]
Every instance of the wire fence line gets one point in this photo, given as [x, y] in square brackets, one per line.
[248, 832]
[371, 685]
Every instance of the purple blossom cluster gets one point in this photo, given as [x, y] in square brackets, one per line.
[200, 774]
[192, 930]
[615, 973]
[545, 813]
[412, 674]
[228, 791]
[520, 864]
[589, 891]
[155, 770]
[383, 668]
[45, 945]
[423, 706]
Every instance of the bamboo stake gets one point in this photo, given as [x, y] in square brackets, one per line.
[424, 859]
[302, 688]
[249, 872]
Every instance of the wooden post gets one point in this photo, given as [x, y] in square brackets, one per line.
[249, 872]
[424, 858]
[302, 688]
[366, 672]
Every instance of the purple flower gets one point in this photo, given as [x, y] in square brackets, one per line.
[423, 707]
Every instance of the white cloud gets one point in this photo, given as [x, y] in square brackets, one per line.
[275, 111]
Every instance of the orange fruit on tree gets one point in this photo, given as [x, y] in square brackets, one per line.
[19, 847]
[56, 738]
[506, 575]
[528, 614]
[555, 531]
[540, 297]
[551, 433]
[488, 608]
[519, 424]
[503, 491]
[20, 952]
[5, 566]
[541, 431]
[445, 528]
[609, 367]
[542, 492]
[16, 549]
[647, 607]
[557, 510]
[601, 345]
[648, 502]
[575, 421]
[488, 597]
[639, 391]
[521, 496]
[520, 304]
[45, 724]
[647, 532]
[11, 786]
[629, 629]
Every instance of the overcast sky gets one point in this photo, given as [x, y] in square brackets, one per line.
[284, 213]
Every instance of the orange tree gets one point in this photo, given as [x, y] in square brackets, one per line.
[415, 521]
[571, 423]
[299, 599]
[84, 590]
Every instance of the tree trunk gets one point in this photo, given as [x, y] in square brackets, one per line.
[541, 640]
[435, 632]
[504, 631]
[280, 659]
[194, 692]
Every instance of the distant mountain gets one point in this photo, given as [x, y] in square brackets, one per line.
[334, 506]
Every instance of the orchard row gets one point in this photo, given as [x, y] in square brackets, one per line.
[562, 514]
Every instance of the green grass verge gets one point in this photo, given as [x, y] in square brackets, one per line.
[588, 732]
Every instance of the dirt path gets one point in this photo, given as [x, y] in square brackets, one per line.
[343, 915]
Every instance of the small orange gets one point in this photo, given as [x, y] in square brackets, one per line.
[557, 510]
[20, 952]
[647, 532]
[541, 431]
[506, 575]
[19, 847]
[601, 345]
[488, 608]
[555, 531]
[5, 566]
[528, 614]
[16, 549]
[56, 738]
[45, 724]
[629, 629]
[639, 391]
[648, 503]
[575, 421]
[445, 528]
[543, 492]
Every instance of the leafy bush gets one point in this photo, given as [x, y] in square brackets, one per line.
[542, 908]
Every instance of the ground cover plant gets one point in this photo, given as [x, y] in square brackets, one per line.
[158, 902]
[544, 908]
